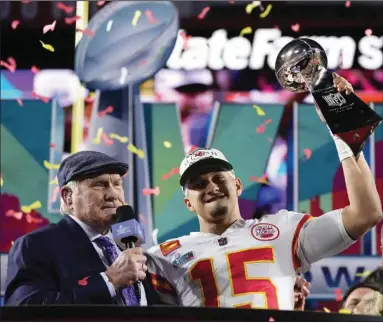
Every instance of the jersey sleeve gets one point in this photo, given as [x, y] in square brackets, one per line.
[161, 273]
[318, 238]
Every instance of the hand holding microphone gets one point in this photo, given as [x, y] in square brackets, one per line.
[130, 266]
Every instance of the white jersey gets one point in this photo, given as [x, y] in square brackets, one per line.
[253, 264]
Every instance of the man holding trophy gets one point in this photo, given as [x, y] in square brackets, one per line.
[240, 263]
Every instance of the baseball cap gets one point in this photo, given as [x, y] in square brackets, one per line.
[201, 160]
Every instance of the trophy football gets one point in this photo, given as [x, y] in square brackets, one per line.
[301, 66]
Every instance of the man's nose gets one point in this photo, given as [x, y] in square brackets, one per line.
[111, 193]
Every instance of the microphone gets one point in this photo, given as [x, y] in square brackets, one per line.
[127, 231]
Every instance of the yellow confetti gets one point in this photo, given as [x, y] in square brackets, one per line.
[266, 12]
[140, 153]
[28, 208]
[344, 311]
[167, 144]
[48, 165]
[251, 6]
[246, 30]
[326, 310]
[364, 274]
[1, 182]
[54, 181]
[97, 140]
[137, 16]
[260, 112]
[121, 139]
[47, 46]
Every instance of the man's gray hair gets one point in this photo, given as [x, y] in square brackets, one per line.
[73, 185]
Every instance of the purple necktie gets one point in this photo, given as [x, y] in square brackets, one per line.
[107, 245]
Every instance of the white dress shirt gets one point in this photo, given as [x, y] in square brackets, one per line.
[93, 235]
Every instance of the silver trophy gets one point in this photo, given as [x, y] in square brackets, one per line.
[301, 66]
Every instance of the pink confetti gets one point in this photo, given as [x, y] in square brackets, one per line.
[262, 180]
[11, 65]
[89, 99]
[31, 219]
[261, 128]
[107, 110]
[50, 27]
[20, 102]
[106, 139]
[192, 148]
[151, 191]
[186, 39]
[14, 24]
[55, 194]
[203, 13]
[150, 17]
[338, 295]
[14, 214]
[100, 3]
[52, 145]
[267, 121]
[347, 4]
[63, 7]
[295, 27]
[368, 32]
[307, 153]
[88, 32]
[34, 69]
[40, 97]
[174, 171]
[71, 20]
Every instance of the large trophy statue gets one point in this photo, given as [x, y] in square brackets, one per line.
[301, 66]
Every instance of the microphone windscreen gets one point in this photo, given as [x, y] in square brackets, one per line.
[124, 213]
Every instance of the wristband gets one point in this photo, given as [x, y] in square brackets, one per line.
[344, 151]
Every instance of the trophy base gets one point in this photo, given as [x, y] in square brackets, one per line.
[357, 139]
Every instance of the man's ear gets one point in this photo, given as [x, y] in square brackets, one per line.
[66, 194]
[239, 186]
[188, 204]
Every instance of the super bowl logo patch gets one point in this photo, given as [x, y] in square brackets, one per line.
[169, 247]
[265, 232]
[180, 260]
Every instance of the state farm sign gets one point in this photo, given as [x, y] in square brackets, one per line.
[238, 53]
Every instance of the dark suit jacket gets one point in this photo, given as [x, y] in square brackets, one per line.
[48, 266]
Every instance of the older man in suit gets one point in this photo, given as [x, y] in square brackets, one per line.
[76, 260]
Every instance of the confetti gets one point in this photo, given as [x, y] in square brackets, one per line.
[20, 102]
[11, 65]
[71, 20]
[84, 281]
[167, 144]
[97, 139]
[34, 69]
[1, 182]
[261, 180]
[185, 38]
[55, 194]
[40, 97]
[31, 219]
[106, 139]
[14, 214]
[63, 7]
[338, 295]
[344, 311]
[347, 4]
[52, 145]
[265, 13]
[326, 310]
[307, 153]
[133, 149]
[136, 16]
[192, 148]
[124, 74]
[108, 109]
[151, 191]
[50, 27]
[246, 30]
[89, 99]
[28, 208]
[100, 3]
[47, 46]
[174, 171]
[251, 6]
[260, 112]
[364, 274]
[121, 139]
[14, 24]
[48, 165]
[203, 13]
[295, 27]
[109, 25]
[54, 181]
[87, 32]
[150, 17]
[368, 32]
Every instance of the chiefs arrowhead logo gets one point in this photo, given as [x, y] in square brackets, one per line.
[84, 281]
[170, 246]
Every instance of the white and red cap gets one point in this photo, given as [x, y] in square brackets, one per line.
[202, 160]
